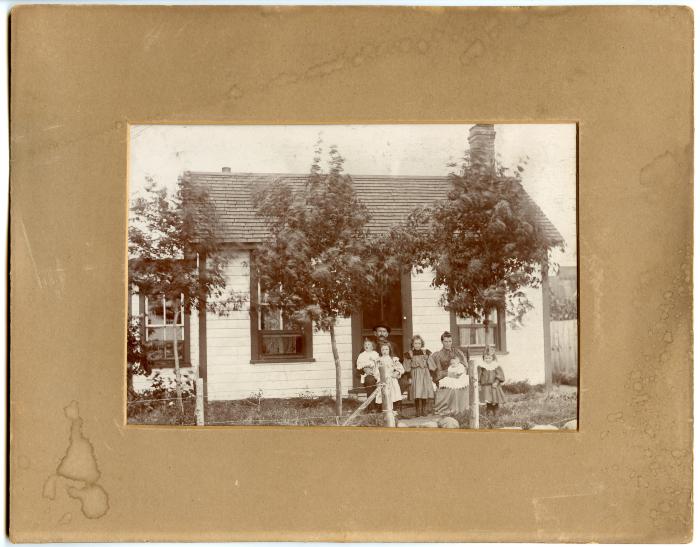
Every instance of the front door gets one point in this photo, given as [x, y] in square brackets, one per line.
[391, 307]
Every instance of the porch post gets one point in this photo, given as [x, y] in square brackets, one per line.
[406, 310]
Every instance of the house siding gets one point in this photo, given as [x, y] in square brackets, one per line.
[430, 319]
[230, 373]
[525, 345]
[524, 359]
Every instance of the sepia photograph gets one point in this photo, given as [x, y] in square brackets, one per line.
[383, 275]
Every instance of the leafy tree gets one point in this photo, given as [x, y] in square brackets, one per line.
[483, 242]
[136, 364]
[315, 264]
[175, 252]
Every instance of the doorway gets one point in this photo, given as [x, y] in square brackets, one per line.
[393, 308]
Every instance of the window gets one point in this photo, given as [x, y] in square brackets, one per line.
[160, 328]
[275, 336]
[472, 333]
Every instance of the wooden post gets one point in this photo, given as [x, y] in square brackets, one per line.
[361, 407]
[178, 375]
[546, 329]
[387, 406]
[473, 396]
[199, 409]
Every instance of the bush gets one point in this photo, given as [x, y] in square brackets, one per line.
[160, 399]
[561, 378]
[522, 387]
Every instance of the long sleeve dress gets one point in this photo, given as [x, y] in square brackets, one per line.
[487, 379]
[394, 370]
[416, 364]
[452, 396]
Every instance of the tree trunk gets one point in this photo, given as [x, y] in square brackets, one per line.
[338, 384]
[129, 381]
[178, 376]
[387, 406]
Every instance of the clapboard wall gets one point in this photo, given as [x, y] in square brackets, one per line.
[231, 375]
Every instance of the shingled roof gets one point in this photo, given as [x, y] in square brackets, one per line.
[389, 199]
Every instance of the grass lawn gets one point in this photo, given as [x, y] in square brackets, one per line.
[525, 409]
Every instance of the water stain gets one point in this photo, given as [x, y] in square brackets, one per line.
[79, 465]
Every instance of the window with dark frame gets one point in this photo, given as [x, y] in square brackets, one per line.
[471, 333]
[275, 335]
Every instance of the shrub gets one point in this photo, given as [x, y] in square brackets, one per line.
[522, 387]
[563, 378]
[160, 395]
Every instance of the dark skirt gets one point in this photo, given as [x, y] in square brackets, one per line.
[421, 384]
[450, 402]
[491, 395]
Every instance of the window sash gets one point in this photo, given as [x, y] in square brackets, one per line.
[471, 332]
[164, 313]
[474, 335]
[281, 343]
[469, 320]
[158, 335]
[288, 341]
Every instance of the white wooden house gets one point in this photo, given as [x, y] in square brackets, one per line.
[251, 349]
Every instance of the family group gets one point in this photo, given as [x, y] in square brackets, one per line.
[437, 382]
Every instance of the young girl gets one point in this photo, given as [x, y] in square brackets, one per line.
[452, 395]
[367, 363]
[394, 370]
[416, 365]
[490, 379]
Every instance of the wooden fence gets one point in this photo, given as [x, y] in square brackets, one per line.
[564, 338]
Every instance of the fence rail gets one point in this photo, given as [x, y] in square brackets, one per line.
[564, 338]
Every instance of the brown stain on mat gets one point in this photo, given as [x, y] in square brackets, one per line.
[79, 466]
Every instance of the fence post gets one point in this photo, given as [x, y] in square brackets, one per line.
[387, 406]
[199, 404]
[473, 396]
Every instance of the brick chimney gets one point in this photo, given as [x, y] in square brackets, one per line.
[225, 169]
[481, 146]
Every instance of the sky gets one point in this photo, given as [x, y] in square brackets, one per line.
[165, 151]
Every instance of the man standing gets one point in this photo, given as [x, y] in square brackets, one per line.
[440, 360]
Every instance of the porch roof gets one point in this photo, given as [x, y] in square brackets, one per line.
[389, 199]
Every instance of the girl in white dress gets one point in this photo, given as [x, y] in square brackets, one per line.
[394, 370]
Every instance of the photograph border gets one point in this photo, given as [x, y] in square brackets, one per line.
[79, 74]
